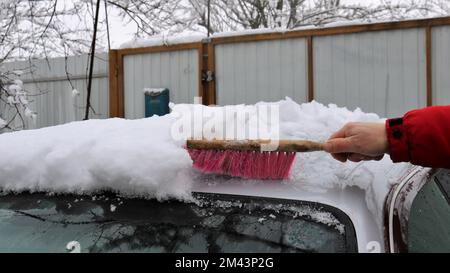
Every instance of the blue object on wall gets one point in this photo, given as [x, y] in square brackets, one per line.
[156, 102]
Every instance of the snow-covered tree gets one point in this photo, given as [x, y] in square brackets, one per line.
[44, 28]
[174, 16]
[36, 29]
[47, 28]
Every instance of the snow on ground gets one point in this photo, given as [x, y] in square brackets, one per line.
[141, 158]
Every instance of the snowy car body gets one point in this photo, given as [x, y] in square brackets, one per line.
[152, 162]
[228, 217]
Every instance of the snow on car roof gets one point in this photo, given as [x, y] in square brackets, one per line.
[141, 158]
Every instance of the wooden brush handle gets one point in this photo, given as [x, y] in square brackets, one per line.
[256, 145]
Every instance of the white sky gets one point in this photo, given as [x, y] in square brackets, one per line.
[119, 31]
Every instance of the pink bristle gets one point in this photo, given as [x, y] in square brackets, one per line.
[280, 162]
[283, 160]
[193, 154]
[220, 163]
[242, 170]
[199, 158]
[261, 165]
[212, 160]
[288, 165]
[254, 165]
[196, 157]
[233, 157]
[208, 165]
[246, 170]
[223, 165]
[236, 162]
[273, 165]
[266, 171]
[257, 165]
[246, 164]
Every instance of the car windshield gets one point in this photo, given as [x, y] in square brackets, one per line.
[214, 223]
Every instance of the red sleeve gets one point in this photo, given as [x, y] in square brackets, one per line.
[421, 137]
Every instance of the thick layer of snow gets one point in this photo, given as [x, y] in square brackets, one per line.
[133, 157]
[140, 157]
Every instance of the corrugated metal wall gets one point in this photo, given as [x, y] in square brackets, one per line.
[175, 70]
[440, 37]
[261, 71]
[51, 94]
[382, 72]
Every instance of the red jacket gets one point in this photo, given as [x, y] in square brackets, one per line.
[421, 137]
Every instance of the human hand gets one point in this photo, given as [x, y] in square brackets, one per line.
[358, 141]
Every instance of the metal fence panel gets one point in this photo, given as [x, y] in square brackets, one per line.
[50, 93]
[440, 41]
[261, 71]
[382, 72]
[175, 70]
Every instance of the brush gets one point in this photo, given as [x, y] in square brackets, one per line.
[248, 158]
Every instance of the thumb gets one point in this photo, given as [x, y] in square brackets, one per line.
[338, 145]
